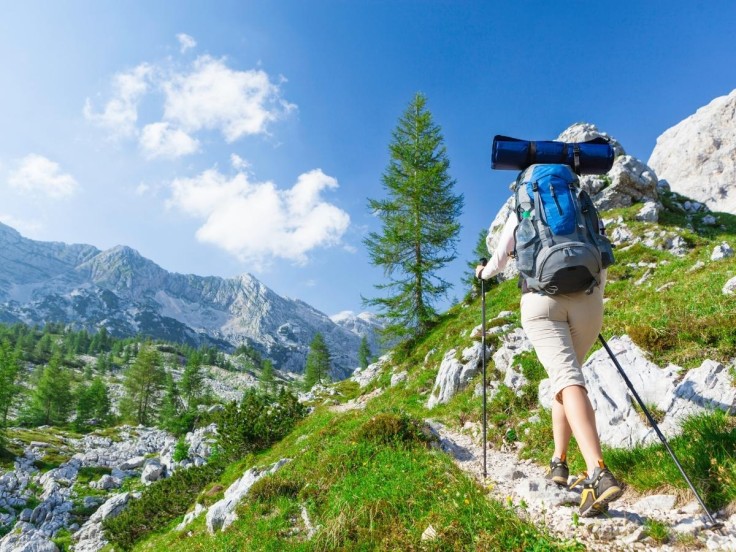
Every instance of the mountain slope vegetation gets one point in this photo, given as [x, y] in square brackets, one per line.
[369, 477]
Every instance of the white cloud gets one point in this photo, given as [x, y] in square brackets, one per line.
[25, 227]
[120, 114]
[238, 163]
[214, 97]
[186, 42]
[38, 175]
[161, 140]
[256, 221]
[205, 95]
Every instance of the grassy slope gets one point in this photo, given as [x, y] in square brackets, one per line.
[366, 493]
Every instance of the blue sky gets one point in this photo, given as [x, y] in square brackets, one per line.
[227, 137]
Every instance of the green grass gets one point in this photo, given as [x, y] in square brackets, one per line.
[371, 482]
[658, 531]
[687, 322]
[705, 450]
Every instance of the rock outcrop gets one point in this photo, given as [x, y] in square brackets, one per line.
[697, 156]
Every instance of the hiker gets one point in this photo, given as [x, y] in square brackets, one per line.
[562, 328]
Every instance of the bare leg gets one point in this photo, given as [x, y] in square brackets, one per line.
[560, 429]
[581, 418]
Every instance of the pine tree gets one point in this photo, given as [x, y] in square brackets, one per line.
[364, 353]
[479, 252]
[9, 386]
[318, 362]
[192, 381]
[420, 224]
[171, 405]
[143, 384]
[101, 403]
[93, 405]
[50, 402]
[267, 377]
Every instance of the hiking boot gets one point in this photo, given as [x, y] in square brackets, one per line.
[558, 471]
[598, 491]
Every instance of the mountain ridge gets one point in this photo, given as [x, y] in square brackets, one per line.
[127, 293]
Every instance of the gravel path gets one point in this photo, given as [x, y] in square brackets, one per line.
[522, 483]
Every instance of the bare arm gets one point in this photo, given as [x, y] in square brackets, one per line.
[501, 255]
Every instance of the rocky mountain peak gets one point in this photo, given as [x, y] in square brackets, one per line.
[697, 156]
[123, 269]
[582, 132]
[128, 294]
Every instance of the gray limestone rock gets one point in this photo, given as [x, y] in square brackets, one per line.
[364, 377]
[649, 212]
[619, 424]
[106, 482]
[513, 344]
[32, 541]
[152, 471]
[655, 503]
[698, 155]
[454, 375]
[720, 252]
[631, 182]
[90, 537]
[133, 463]
[222, 513]
[729, 288]
[396, 379]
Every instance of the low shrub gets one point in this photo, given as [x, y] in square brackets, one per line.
[181, 450]
[158, 505]
[260, 420]
[268, 488]
[387, 428]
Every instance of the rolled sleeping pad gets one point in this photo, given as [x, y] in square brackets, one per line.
[591, 157]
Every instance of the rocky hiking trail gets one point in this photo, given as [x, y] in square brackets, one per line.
[521, 484]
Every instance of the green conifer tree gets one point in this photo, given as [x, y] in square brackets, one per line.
[268, 380]
[480, 251]
[9, 386]
[318, 362]
[192, 381]
[171, 406]
[364, 353]
[51, 401]
[143, 384]
[420, 224]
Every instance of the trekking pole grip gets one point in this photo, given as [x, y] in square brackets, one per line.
[483, 262]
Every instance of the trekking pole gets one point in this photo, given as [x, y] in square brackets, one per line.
[713, 521]
[483, 357]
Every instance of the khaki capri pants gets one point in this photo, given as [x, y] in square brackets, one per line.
[562, 329]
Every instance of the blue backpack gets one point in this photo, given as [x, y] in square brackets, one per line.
[560, 246]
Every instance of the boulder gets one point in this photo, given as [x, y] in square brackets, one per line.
[222, 513]
[152, 471]
[454, 375]
[631, 182]
[513, 343]
[698, 155]
[722, 251]
[133, 463]
[31, 541]
[90, 537]
[729, 288]
[106, 482]
[649, 212]
[619, 423]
